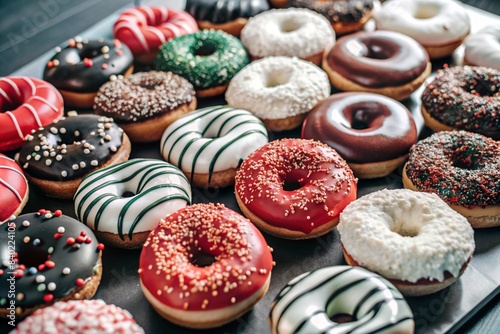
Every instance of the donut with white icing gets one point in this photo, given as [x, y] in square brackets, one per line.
[278, 90]
[440, 26]
[373, 304]
[124, 202]
[292, 32]
[483, 48]
[14, 190]
[210, 143]
[413, 239]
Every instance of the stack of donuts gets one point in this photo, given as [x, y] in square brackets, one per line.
[282, 108]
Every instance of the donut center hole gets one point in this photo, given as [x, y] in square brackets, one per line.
[426, 12]
[202, 259]
[289, 26]
[204, 50]
[376, 51]
[70, 138]
[360, 120]
[127, 194]
[482, 88]
[291, 183]
[90, 53]
[6, 106]
[278, 79]
[342, 318]
[463, 158]
[32, 254]
[409, 231]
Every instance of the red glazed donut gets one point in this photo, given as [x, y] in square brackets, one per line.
[294, 188]
[144, 29]
[204, 266]
[25, 105]
[13, 188]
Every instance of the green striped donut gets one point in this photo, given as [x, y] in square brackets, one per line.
[131, 197]
[207, 58]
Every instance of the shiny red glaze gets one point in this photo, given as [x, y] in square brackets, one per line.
[13, 187]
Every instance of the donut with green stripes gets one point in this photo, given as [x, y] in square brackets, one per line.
[212, 140]
[123, 203]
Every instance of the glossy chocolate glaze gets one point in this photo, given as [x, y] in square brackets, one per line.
[362, 127]
[378, 59]
[346, 11]
[222, 11]
[36, 244]
[84, 66]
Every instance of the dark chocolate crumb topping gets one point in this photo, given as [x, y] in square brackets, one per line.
[337, 10]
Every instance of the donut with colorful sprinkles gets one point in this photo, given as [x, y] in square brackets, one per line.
[55, 258]
[463, 169]
[57, 157]
[204, 266]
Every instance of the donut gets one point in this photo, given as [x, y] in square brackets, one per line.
[463, 169]
[145, 103]
[209, 144]
[463, 98]
[306, 183]
[373, 133]
[122, 203]
[208, 59]
[372, 303]
[144, 29]
[483, 48]
[14, 190]
[278, 90]
[229, 16]
[412, 239]
[345, 16]
[293, 32]
[79, 316]
[440, 26]
[382, 62]
[25, 105]
[204, 266]
[52, 257]
[55, 158]
[82, 66]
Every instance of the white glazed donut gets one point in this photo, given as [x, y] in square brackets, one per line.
[122, 203]
[439, 26]
[278, 90]
[209, 144]
[307, 303]
[413, 239]
[292, 32]
[483, 48]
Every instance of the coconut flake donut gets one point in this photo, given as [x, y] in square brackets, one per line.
[79, 316]
[124, 202]
[440, 26]
[25, 105]
[293, 32]
[483, 48]
[306, 183]
[413, 239]
[209, 144]
[278, 90]
[14, 190]
[372, 303]
[144, 29]
[463, 169]
[204, 266]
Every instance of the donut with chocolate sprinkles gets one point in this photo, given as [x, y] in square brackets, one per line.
[204, 266]
[55, 258]
[463, 169]
[56, 157]
[306, 183]
[145, 103]
[464, 98]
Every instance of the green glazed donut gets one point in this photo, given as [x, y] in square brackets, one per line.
[208, 59]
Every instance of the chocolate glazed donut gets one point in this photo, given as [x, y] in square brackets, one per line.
[365, 129]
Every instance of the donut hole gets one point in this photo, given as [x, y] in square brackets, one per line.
[278, 79]
[90, 53]
[5, 105]
[69, 138]
[204, 50]
[366, 115]
[372, 48]
[426, 12]
[127, 194]
[202, 259]
[376, 51]
[289, 26]
[482, 88]
[463, 159]
[291, 182]
[342, 318]
[31, 255]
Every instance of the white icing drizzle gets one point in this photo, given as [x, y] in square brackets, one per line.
[158, 189]
[212, 139]
[34, 113]
[4, 94]
[16, 124]
[41, 99]
[406, 235]
[429, 22]
[11, 188]
[278, 87]
[31, 84]
[13, 85]
[292, 32]
[483, 47]
[307, 302]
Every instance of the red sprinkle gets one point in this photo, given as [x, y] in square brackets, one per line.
[83, 233]
[41, 267]
[50, 64]
[80, 239]
[42, 211]
[18, 273]
[100, 246]
[70, 241]
[22, 267]
[48, 297]
[88, 240]
[72, 43]
[50, 264]
[58, 235]
[88, 62]
[119, 52]
[1, 272]
[117, 43]
[58, 213]
[104, 66]
[80, 282]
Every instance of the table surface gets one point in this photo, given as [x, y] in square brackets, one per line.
[64, 11]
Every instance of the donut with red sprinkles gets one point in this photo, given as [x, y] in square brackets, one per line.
[47, 267]
[204, 266]
[464, 98]
[306, 183]
[463, 169]
[79, 316]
